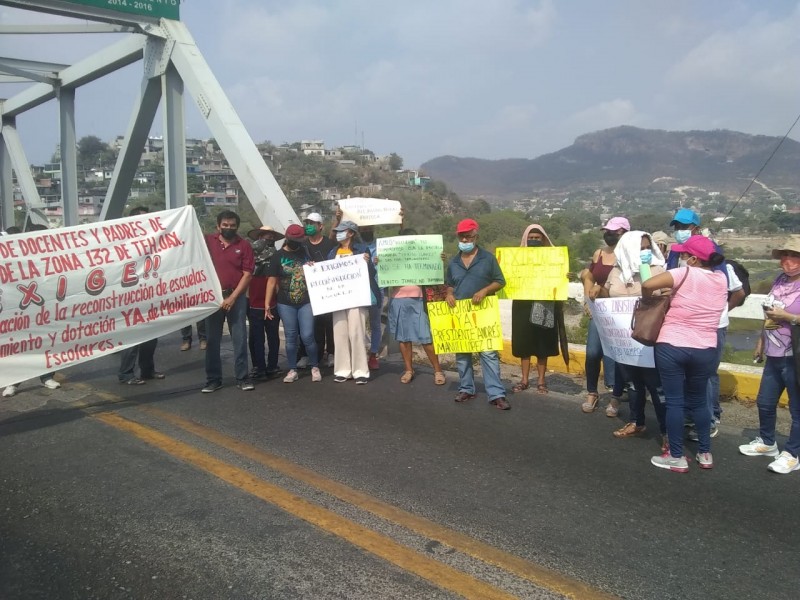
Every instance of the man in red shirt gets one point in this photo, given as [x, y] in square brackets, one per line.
[234, 262]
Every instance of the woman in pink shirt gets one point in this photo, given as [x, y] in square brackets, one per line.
[686, 347]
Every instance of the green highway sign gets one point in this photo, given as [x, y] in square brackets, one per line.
[166, 9]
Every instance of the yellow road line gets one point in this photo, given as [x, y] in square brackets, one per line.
[541, 576]
[435, 572]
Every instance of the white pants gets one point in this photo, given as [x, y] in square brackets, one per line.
[350, 357]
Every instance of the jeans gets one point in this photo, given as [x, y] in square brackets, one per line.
[779, 374]
[186, 332]
[643, 380]
[128, 358]
[684, 376]
[323, 334]
[490, 365]
[298, 320]
[375, 330]
[237, 325]
[713, 382]
[594, 355]
[261, 329]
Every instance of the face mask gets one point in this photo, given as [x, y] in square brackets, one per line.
[646, 256]
[291, 246]
[228, 234]
[534, 243]
[682, 235]
[367, 236]
[683, 262]
[341, 236]
[611, 238]
[466, 246]
[311, 230]
[790, 265]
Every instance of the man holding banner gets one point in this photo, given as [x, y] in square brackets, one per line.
[474, 274]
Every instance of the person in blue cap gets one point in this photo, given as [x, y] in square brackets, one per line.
[685, 224]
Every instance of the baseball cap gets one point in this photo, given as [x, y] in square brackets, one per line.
[254, 233]
[697, 245]
[314, 217]
[615, 223]
[467, 225]
[295, 233]
[685, 216]
[345, 226]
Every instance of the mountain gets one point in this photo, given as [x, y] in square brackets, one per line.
[629, 158]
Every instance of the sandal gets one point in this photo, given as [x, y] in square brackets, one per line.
[520, 387]
[406, 377]
[612, 410]
[542, 389]
[439, 378]
[592, 398]
[629, 429]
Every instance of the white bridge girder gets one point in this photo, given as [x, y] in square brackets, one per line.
[172, 64]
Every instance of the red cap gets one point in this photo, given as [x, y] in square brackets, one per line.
[295, 233]
[467, 225]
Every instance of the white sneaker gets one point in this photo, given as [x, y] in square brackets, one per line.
[291, 377]
[785, 463]
[302, 363]
[667, 461]
[330, 361]
[51, 384]
[9, 391]
[315, 374]
[758, 448]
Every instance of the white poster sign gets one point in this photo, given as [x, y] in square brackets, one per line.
[74, 294]
[370, 211]
[612, 316]
[338, 284]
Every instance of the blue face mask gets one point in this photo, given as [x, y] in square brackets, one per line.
[466, 246]
[682, 235]
[341, 236]
[646, 256]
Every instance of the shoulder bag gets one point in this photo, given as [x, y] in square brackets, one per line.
[648, 316]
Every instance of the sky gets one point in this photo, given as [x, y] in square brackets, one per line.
[499, 79]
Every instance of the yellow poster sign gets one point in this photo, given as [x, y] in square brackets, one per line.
[466, 328]
[534, 273]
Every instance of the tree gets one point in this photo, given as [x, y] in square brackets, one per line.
[92, 152]
[395, 161]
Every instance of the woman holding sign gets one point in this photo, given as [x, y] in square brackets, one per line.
[349, 325]
[535, 324]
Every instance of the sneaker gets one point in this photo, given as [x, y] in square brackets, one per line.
[246, 385]
[758, 448]
[291, 377]
[705, 460]
[372, 363]
[315, 374]
[185, 345]
[133, 381]
[258, 374]
[667, 461]
[785, 463]
[211, 387]
[330, 361]
[694, 437]
[340, 379]
[362, 380]
[302, 363]
[51, 384]
[203, 344]
[154, 375]
[9, 391]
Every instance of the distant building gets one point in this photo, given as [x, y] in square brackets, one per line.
[312, 147]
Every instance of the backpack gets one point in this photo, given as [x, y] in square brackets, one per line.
[743, 275]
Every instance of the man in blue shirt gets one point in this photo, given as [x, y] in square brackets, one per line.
[474, 273]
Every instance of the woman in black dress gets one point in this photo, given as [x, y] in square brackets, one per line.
[539, 339]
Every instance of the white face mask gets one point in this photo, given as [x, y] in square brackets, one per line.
[681, 235]
[683, 262]
[341, 236]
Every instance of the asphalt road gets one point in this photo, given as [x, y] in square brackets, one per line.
[331, 490]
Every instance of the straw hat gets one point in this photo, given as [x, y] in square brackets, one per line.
[254, 233]
[792, 243]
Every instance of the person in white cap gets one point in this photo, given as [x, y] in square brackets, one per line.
[318, 247]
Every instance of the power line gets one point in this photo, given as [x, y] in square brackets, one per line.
[752, 181]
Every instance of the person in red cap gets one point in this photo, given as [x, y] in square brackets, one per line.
[686, 347]
[473, 274]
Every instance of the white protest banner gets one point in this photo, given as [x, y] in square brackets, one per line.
[74, 294]
[338, 284]
[370, 211]
[612, 316]
[410, 260]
